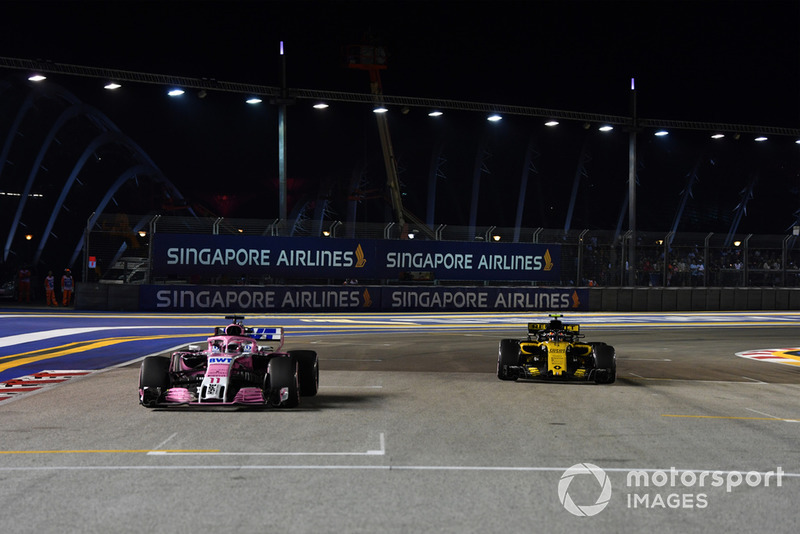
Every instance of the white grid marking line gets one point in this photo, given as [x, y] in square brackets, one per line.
[378, 452]
[165, 441]
[772, 416]
[473, 468]
[351, 387]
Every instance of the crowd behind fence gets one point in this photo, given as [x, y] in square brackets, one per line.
[118, 246]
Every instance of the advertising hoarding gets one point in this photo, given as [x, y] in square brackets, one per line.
[269, 299]
[326, 258]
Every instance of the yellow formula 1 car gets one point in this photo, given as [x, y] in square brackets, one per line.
[554, 351]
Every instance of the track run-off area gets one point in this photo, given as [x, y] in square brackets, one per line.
[410, 431]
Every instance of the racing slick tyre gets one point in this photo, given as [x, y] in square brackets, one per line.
[508, 355]
[307, 371]
[153, 380]
[605, 360]
[280, 384]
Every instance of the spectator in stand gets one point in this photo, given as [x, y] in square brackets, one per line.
[694, 272]
[656, 274]
[24, 285]
[647, 271]
[50, 289]
[682, 270]
[67, 285]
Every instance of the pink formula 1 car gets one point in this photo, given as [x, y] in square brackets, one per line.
[232, 369]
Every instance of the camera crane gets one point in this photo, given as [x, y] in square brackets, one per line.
[373, 59]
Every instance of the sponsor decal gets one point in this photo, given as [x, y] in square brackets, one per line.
[218, 359]
[217, 371]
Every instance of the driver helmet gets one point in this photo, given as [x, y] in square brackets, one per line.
[233, 330]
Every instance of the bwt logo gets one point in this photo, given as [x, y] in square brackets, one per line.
[219, 360]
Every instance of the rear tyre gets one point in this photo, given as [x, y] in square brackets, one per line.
[153, 380]
[280, 385]
[307, 371]
[508, 355]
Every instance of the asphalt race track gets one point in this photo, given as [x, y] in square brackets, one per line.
[412, 432]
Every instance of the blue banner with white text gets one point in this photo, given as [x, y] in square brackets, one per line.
[272, 299]
[327, 258]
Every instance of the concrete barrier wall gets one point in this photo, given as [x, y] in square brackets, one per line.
[122, 297]
[107, 297]
[700, 299]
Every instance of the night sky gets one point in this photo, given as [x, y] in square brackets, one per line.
[715, 61]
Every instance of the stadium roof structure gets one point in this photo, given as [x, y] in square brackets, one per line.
[63, 164]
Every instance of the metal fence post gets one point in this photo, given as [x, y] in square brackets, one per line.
[746, 247]
[705, 259]
[87, 231]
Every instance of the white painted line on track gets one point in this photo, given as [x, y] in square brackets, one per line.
[646, 359]
[754, 380]
[378, 452]
[165, 441]
[347, 360]
[691, 380]
[773, 416]
[351, 387]
[463, 468]
[763, 413]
